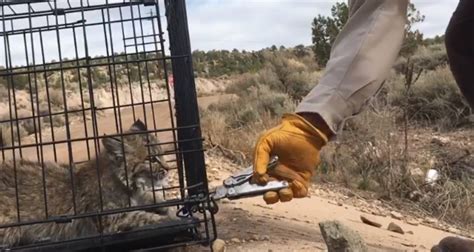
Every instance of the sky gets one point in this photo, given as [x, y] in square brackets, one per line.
[256, 24]
[213, 24]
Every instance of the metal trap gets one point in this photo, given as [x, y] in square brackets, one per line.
[100, 137]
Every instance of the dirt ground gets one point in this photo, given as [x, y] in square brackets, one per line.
[250, 225]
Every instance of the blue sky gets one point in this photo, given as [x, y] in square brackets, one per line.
[255, 24]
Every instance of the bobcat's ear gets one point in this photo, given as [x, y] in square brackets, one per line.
[138, 126]
[113, 145]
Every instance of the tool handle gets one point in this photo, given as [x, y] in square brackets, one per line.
[245, 175]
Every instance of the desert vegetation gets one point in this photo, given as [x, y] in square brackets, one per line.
[417, 122]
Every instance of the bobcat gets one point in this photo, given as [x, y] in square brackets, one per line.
[139, 154]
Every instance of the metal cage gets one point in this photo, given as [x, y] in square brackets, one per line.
[73, 73]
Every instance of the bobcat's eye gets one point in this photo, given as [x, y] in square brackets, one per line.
[162, 173]
[153, 159]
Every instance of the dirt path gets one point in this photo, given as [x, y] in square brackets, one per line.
[294, 227]
[106, 124]
[251, 225]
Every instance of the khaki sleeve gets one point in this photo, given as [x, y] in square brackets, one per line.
[360, 60]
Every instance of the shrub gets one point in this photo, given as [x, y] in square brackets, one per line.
[7, 138]
[241, 85]
[3, 92]
[235, 124]
[435, 100]
[282, 75]
[426, 57]
[29, 126]
[56, 98]
[58, 121]
[368, 155]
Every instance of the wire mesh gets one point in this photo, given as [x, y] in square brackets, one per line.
[99, 129]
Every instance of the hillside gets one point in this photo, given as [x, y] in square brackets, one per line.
[379, 162]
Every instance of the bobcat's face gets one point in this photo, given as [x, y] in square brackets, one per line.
[138, 163]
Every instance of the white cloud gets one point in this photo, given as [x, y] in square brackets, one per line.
[255, 24]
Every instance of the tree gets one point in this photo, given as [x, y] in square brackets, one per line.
[413, 38]
[300, 51]
[326, 29]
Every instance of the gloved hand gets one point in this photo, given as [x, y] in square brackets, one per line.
[297, 143]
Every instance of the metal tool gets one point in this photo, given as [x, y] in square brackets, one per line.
[238, 185]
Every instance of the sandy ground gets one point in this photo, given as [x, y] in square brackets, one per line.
[106, 124]
[250, 225]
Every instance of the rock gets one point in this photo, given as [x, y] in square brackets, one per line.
[378, 212]
[367, 221]
[431, 177]
[377, 202]
[430, 220]
[415, 196]
[340, 203]
[413, 222]
[225, 201]
[396, 215]
[235, 240]
[332, 202]
[256, 237]
[218, 245]
[410, 245]
[453, 230]
[340, 238]
[365, 210]
[410, 232]
[265, 238]
[395, 228]
[417, 172]
[440, 140]
[262, 206]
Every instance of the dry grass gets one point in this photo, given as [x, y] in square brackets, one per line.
[236, 124]
[7, 137]
[369, 155]
[56, 98]
[434, 101]
[280, 74]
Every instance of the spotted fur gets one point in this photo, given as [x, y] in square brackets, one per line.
[135, 150]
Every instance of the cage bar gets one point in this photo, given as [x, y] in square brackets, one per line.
[74, 77]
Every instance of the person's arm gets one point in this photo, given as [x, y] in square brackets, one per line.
[460, 48]
[360, 59]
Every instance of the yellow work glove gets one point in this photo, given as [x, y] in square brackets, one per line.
[297, 143]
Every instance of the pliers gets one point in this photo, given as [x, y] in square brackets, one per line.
[238, 185]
